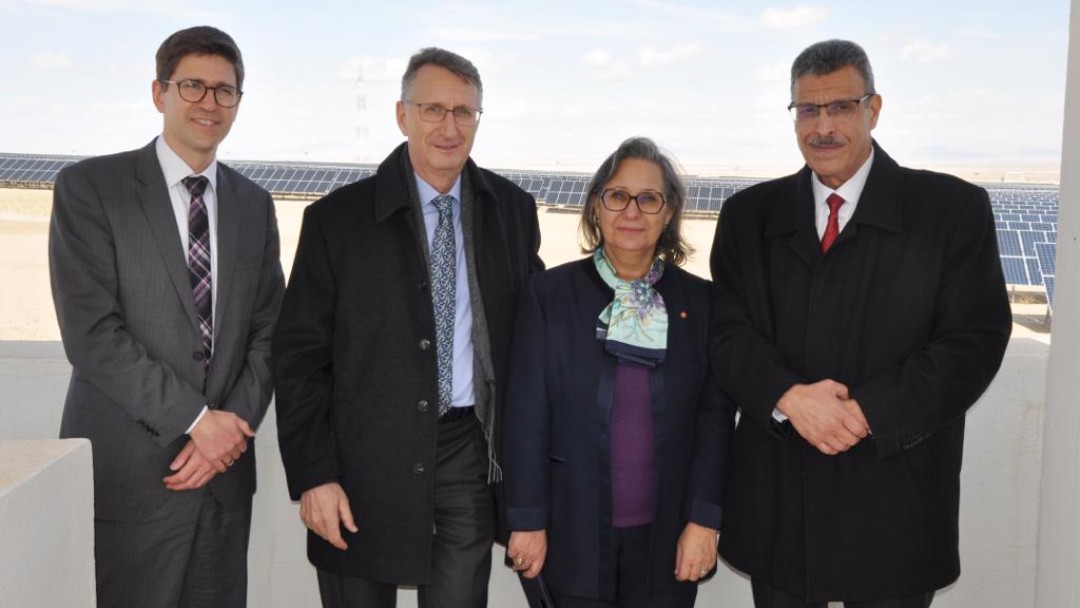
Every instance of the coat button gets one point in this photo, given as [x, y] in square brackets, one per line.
[198, 355]
[425, 344]
[423, 285]
[422, 406]
[418, 469]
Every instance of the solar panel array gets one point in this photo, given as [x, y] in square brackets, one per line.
[1026, 216]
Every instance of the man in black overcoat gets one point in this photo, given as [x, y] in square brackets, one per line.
[859, 311]
[390, 356]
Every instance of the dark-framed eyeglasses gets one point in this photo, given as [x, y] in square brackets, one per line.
[193, 91]
[647, 201]
[840, 109]
[464, 116]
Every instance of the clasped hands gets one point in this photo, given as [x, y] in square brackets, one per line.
[825, 415]
[216, 442]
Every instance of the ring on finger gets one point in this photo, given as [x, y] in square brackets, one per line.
[518, 561]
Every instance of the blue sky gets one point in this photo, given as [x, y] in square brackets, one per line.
[964, 83]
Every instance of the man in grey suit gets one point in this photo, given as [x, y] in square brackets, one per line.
[167, 283]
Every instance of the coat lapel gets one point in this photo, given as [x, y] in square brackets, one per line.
[153, 196]
[794, 214]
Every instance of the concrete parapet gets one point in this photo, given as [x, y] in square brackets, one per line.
[47, 523]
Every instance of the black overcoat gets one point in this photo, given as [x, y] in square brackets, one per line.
[355, 363]
[909, 310]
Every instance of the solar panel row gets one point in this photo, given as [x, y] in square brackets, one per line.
[1026, 216]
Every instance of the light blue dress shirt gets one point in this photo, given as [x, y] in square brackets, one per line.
[463, 394]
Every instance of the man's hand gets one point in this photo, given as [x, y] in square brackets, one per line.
[324, 509]
[527, 549]
[825, 415]
[695, 555]
[193, 470]
[221, 437]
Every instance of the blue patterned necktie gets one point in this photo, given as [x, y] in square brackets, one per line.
[199, 262]
[443, 294]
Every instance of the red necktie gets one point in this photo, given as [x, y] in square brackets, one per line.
[832, 228]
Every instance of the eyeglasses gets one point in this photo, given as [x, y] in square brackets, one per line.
[435, 112]
[841, 109]
[193, 91]
[647, 201]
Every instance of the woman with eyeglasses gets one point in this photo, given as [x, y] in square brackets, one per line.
[615, 435]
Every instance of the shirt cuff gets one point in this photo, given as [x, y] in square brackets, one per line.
[197, 419]
[777, 416]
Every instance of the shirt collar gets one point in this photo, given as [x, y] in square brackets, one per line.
[427, 192]
[850, 190]
[175, 169]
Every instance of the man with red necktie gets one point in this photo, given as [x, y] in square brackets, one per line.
[859, 310]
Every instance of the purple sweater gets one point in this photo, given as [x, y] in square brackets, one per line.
[632, 447]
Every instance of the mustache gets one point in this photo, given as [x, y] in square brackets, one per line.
[824, 140]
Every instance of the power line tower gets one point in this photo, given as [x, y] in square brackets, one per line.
[362, 134]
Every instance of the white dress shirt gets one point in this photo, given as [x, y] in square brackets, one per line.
[175, 170]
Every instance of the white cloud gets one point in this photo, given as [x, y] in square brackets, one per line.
[597, 58]
[46, 61]
[777, 72]
[798, 17]
[605, 66]
[923, 51]
[650, 57]
[477, 36]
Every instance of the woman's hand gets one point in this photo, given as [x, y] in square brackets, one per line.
[527, 550]
[695, 556]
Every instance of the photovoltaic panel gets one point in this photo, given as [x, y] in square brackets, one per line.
[1025, 216]
[1015, 270]
[1047, 254]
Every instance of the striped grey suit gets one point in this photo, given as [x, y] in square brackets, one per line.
[127, 317]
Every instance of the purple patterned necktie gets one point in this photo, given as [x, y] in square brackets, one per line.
[199, 262]
[443, 292]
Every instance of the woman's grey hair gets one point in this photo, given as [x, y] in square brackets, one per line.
[828, 56]
[444, 59]
[671, 247]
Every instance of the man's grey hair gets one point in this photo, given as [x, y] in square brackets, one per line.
[828, 56]
[444, 59]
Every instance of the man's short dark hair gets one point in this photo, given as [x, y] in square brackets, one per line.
[828, 56]
[444, 59]
[198, 40]
[671, 247]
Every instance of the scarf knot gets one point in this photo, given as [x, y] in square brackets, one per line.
[634, 325]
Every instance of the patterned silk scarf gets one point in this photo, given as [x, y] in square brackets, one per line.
[634, 326]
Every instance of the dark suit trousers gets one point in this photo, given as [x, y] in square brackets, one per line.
[199, 561]
[464, 533]
[768, 597]
[632, 578]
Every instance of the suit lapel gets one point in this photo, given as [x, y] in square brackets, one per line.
[229, 218]
[153, 196]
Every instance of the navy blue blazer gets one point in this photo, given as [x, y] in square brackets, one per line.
[557, 421]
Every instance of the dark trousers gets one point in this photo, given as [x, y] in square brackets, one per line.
[169, 561]
[768, 597]
[464, 533]
[632, 578]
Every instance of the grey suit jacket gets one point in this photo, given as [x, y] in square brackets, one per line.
[127, 318]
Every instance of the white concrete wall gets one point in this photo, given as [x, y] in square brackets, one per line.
[1059, 526]
[46, 523]
[999, 505]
